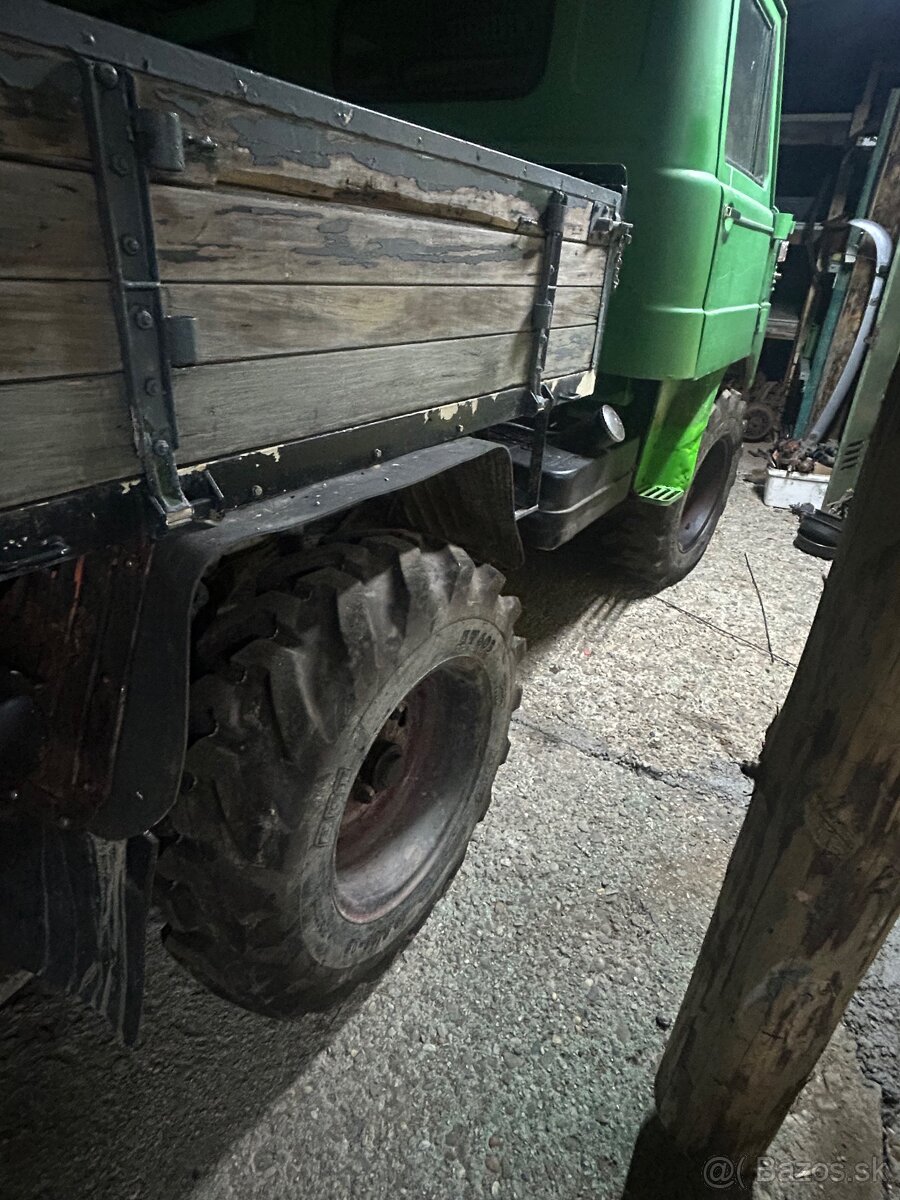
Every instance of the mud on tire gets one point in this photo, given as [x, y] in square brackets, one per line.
[344, 738]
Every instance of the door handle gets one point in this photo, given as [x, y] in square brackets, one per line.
[730, 213]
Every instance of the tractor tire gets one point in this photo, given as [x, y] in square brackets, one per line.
[656, 545]
[343, 745]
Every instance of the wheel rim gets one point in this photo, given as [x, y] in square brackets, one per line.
[418, 772]
[704, 495]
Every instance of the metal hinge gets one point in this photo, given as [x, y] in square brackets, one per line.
[181, 341]
[159, 137]
[147, 338]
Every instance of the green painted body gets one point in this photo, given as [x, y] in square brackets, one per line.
[644, 84]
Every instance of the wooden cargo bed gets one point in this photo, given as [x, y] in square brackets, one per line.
[341, 267]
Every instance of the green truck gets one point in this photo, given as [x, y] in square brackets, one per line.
[285, 381]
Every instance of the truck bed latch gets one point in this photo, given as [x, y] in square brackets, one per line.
[606, 222]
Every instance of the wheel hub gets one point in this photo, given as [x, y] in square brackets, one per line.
[704, 494]
[418, 771]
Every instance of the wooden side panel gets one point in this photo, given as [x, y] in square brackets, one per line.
[237, 321]
[70, 433]
[41, 118]
[40, 105]
[63, 434]
[67, 327]
[49, 224]
[336, 279]
[241, 237]
[254, 147]
[224, 408]
[219, 236]
[59, 328]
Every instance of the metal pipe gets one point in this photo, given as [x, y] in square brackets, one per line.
[884, 248]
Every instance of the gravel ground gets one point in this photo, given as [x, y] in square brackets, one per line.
[511, 1050]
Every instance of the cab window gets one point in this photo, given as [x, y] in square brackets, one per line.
[748, 141]
[431, 50]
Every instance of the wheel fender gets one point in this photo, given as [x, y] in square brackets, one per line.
[460, 492]
[669, 454]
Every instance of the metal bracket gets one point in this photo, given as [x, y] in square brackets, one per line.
[605, 222]
[160, 139]
[118, 131]
[181, 341]
[553, 221]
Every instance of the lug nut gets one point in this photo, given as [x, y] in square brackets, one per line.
[388, 767]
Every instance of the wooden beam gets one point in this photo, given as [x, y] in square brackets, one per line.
[815, 129]
[813, 886]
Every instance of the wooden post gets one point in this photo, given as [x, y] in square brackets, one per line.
[813, 886]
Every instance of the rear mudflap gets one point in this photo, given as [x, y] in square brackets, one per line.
[73, 912]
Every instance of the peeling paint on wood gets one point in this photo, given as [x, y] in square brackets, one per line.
[258, 148]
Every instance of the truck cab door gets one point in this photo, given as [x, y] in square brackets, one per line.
[740, 282]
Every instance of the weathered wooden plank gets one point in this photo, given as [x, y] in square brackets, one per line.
[581, 265]
[68, 328]
[223, 408]
[237, 321]
[41, 113]
[576, 306]
[231, 141]
[49, 224]
[236, 142]
[62, 434]
[243, 237]
[219, 236]
[59, 328]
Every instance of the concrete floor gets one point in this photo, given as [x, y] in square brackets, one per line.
[511, 1051]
